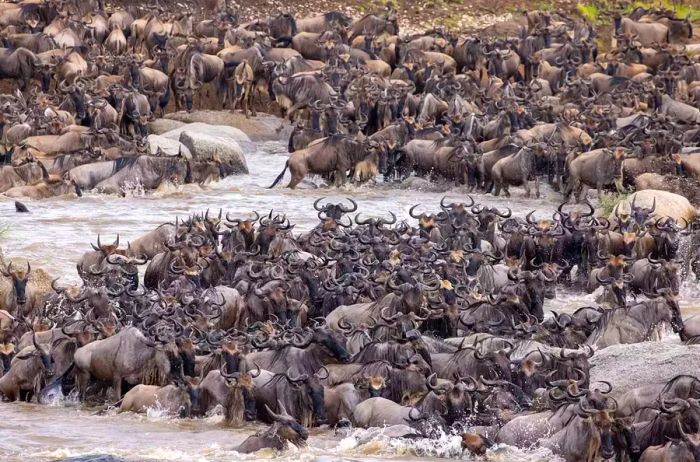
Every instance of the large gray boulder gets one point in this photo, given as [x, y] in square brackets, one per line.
[209, 147]
[219, 131]
[668, 204]
[633, 365]
[263, 127]
[169, 146]
[160, 126]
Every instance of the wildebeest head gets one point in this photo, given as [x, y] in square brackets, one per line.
[191, 388]
[374, 384]
[187, 355]
[240, 403]
[457, 397]
[184, 89]
[641, 214]
[286, 427]
[534, 285]
[626, 437]
[603, 422]
[41, 351]
[334, 211]
[665, 237]
[329, 339]
[7, 352]
[19, 282]
[311, 388]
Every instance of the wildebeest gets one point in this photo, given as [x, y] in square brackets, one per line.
[284, 429]
[128, 356]
[332, 157]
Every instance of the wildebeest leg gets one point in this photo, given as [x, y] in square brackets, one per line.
[496, 188]
[526, 185]
[246, 92]
[583, 192]
[292, 111]
[83, 377]
[297, 176]
[117, 385]
[505, 190]
[537, 186]
[341, 178]
[250, 95]
[13, 394]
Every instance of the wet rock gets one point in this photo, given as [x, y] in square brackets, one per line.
[160, 126]
[263, 127]
[220, 131]
[171, 147]
[668, 204]
[208, 147]
[415, 183]
[633, 365]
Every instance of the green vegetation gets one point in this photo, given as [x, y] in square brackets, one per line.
[596, 11]
[589, 11]
[680, 10]
[609, 201]
[545, 6]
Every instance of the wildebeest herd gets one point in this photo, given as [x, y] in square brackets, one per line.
[364, 100]
[429, 326]
[435, 325]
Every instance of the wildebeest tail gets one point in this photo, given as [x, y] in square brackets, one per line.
[279, 177]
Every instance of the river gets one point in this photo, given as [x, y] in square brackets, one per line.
[58, 231]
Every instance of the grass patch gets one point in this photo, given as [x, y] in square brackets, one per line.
[679, 9]
[545, 6]
[4, 230]
[589, 11]
[609, 201]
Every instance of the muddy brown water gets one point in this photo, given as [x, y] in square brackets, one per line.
[58, 231]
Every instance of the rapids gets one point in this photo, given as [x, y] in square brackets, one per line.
[58, 231]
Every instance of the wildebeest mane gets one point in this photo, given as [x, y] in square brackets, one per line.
[122, 162]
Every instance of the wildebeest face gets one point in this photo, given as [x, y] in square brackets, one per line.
[334, 342]
[317, 399]
[19, 283]
[383, 160]
[250, 412]
[603, 421]
[627, 435]
[231, 356]
[459, 401]
[412, 297]
[293, 431]
[7, 352]
[187, 356]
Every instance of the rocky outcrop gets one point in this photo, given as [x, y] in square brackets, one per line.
[633, 365]
[207, 147]
[668, 204]
[219, 131]
[167, 146]
[263, 127]
[160, 126]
